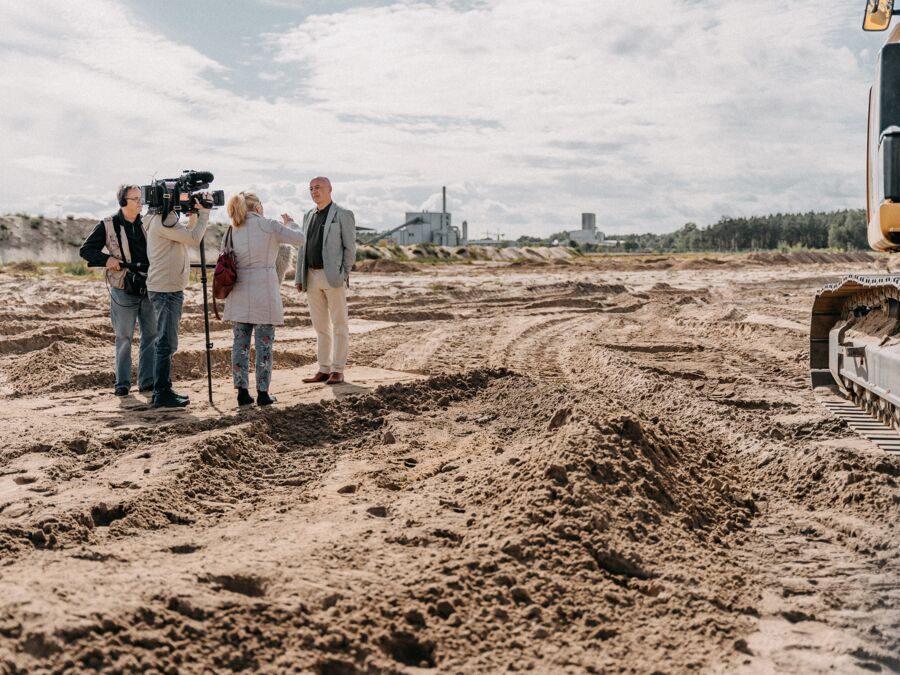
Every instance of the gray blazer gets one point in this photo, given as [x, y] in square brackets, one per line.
[338, 247]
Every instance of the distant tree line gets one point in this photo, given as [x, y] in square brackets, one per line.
[845, 230]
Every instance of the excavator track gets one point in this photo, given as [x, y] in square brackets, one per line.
[855, 354]
[859, 421]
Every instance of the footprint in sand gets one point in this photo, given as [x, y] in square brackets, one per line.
[377, 511]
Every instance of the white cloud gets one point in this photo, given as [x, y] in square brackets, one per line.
[45, 164]
[703, 102]
[530, 112]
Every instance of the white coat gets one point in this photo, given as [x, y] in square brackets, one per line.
[256, 297]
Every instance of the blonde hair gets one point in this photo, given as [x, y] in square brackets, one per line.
[240, 205]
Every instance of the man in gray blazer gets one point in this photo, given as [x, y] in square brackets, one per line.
[323, 271]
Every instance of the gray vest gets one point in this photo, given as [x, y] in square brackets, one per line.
[116, 278]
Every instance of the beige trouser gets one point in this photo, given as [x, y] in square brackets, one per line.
[328, 311]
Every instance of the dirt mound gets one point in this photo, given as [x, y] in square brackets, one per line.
[864, 482]
[570, 522]
[404, 316]
[382, 267]
[810, 258]
[192, 364]
[529, 262]
[31, 340]
[13, 326]
[232, 464]
[578, 288]
[701, 263]
[533, 260]
[59, 366]
[25, 266]
[608, 502]
[563, 302]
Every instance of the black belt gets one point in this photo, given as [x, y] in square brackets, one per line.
[313, 267]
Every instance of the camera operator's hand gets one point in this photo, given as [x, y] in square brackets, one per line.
[286, 218]
[113, 264]
[207, 197]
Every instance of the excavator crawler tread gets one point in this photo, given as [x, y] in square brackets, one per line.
[863, 424]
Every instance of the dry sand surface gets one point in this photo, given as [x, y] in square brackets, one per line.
[610, 465]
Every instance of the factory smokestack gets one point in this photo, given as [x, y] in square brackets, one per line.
[445, 228]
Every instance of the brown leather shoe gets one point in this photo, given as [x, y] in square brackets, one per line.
[318, 377]
[335, 378]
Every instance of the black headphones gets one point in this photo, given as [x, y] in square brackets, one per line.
[122, 194]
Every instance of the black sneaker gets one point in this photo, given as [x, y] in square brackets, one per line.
[169, 392]
[168, 399]
[121, 391]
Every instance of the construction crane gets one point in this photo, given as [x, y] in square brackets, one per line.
[854, 344]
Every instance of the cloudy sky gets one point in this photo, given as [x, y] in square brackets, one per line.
[648, 113]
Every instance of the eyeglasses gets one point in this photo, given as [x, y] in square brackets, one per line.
[134, 199]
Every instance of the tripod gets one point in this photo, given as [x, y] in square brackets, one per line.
[209, 345]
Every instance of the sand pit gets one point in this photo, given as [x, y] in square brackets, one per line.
[593, 467]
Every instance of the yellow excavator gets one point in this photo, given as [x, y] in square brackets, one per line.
[854, 343]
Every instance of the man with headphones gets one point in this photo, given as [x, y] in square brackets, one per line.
[123, 238]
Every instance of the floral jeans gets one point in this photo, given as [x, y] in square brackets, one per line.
[240, 355]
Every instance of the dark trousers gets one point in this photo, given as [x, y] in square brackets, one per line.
[168, 315]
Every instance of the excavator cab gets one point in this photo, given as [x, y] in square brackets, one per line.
[883, 152]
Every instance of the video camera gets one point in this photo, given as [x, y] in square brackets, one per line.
[178, 194]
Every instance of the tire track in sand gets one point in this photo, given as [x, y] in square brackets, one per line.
[536, 350]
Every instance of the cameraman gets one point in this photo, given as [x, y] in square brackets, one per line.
[170, 268]
[122, 235]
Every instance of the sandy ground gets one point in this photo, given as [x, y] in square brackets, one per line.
[559, 468]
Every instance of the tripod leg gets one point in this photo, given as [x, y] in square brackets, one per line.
[209, 344]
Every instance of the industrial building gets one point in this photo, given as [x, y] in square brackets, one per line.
[428, 227]
[588, 233]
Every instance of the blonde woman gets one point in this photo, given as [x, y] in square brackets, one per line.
[254, 304]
